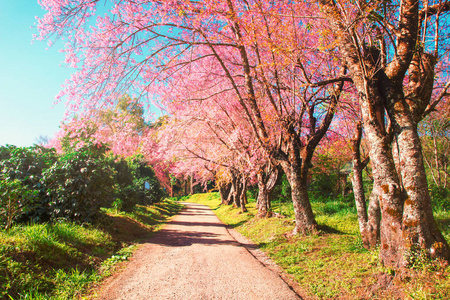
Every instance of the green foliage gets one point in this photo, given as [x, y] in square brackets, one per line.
[131, 177]
[14, 201]
[38, 185]
[125, 194]
[282, 189]
[143, 173]
[78, 184]
[322, 188]
[127, 110]
[26, 165]
[252, 191]
[440, 198]
[435, 139]
[324, 185]
[69, 284]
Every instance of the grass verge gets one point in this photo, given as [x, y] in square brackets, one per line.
[334, 265]
[63, 259]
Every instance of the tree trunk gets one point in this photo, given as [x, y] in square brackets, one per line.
[386, 182]
[407, 221]
[263, 201]
[374, 215]
[243, 194]
[419, 229]
[297, 160]
[230, 198]
[267, 178]
[358, 187]
[237, 198]
[369, 222]
[224, 190]
[304, 218]
[237, 192]
[232, 193]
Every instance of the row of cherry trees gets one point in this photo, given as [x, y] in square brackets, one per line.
[251, 86]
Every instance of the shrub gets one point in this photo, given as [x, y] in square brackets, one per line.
[79, 183]
[26, 165]
[134, 183]
[15, 199]
[125, 196]
[143, 173]
[324, 185]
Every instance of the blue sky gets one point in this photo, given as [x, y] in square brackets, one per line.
[30, 77]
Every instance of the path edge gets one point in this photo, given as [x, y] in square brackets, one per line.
[266, 261]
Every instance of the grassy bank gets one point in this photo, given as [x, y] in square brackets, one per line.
[62, 260]
[334, 265]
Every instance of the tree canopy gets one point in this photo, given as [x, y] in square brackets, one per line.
[249, 84]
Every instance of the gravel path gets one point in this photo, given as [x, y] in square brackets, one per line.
[195, 257]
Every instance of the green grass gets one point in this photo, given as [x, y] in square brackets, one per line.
[333, 264]
[63, 259]
[36, 259]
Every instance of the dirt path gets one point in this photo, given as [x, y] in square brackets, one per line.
[195, 257]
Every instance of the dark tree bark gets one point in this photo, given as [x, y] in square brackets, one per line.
[237, 192]
[191, 185]
[233, 190]
[224, 190]
[237, 195]
[267, 177]
[243, 194]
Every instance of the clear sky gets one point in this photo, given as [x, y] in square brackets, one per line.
[30, 77]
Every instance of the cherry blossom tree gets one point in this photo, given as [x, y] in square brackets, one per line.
[206, 143]
[285, 63]
[391, 52]
[275, 63]
[120, 128]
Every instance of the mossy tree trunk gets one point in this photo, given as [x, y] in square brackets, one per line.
[407, 222]
[296, 171]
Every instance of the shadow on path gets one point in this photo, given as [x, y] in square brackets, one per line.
[177, 238]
